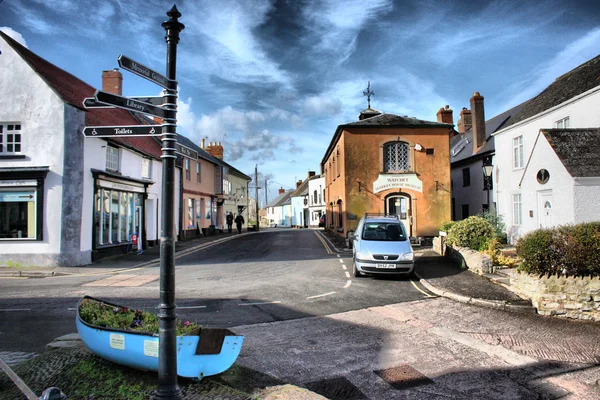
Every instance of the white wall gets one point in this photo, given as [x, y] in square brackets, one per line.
[317, 184]
[582, 112]
[297, 211]
[26, 98]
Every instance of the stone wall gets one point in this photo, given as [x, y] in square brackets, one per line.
[473, 260]
[570, 297]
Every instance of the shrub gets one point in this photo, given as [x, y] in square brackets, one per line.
[496, 223]
[473, 232]
[446, 226]
[565, 250]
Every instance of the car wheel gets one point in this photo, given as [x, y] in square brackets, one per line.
[355, 271]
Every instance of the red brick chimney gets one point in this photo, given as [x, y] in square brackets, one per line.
[298, 184]
[478, 121]
[465, 121]
[281, 190]
[444, 115]
[112, 82]
[215, 149]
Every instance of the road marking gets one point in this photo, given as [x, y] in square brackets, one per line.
[15, 309]
[347, 274]
[321, 295]
[341, 261]
[343, 266]
[324, 243]
[189, 307]
[71, 309]
[348, 283]
[422, 291]
[257, 304]
[13, 277]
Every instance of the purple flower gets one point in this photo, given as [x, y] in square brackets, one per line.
[186, 323]
[116, 309]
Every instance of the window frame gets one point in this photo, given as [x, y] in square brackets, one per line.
[14, 132]
[146, 168]
[518, 152]
[186, 164]
[113, 156]
[399, 168]
[563, 123]
[517, 209]
[198, 172]
[466, 175]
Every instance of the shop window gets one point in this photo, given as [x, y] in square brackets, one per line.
[191, 209]
[112, 158]
[146, 168]
[396, 157]
[117, 215]
[18, 213]
[10, 139]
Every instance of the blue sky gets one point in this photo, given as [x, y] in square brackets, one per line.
[272, 80]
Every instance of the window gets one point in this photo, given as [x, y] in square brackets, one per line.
[191, 210]
[187, 169]
[562, 123]
[518, 152]
[339, 163]
[10, 138]
[146, 168]
[198, 175]
[315, 197]
[517, 209]
[117, 216]
[465, 211]
[396, 157]
[112, 158]
[18, 213]
[466, 177]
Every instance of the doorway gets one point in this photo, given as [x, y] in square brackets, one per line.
[400, 205]
[545, 202]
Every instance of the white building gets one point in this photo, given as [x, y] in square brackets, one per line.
[66, 199]
[534, 183]
[316, 200]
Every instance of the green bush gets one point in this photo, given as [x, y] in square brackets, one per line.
[473, 232]
[446, 226]
[497, 224]
[572, 250]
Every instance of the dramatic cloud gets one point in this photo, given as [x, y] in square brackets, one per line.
[13, 34]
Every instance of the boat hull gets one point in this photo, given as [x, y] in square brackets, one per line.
[210, 352]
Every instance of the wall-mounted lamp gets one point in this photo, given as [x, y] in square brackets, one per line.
[418, 147]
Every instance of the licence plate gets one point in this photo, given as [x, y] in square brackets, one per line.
[385, 265]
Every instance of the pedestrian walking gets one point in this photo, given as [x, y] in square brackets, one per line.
[229, 219]
[239, 221]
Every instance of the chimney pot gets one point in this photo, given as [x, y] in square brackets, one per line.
[281, 190]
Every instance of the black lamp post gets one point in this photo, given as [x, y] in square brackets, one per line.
[487, 178]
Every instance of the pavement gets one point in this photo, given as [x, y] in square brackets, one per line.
[436, 273]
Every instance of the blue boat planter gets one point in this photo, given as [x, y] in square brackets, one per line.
[205, 352]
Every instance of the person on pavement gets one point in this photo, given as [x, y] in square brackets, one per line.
[239, 221]
[229, 219]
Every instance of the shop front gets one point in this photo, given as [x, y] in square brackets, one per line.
[119, 215]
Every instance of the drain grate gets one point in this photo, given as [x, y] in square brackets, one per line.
[336, 389]
[403, 377]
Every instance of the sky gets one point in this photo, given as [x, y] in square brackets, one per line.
[272, 80]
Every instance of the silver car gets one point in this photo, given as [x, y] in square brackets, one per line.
[381, 246]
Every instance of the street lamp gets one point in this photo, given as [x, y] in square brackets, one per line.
[487, 177]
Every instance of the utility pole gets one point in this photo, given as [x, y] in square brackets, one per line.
[266, 198]
[256, 184]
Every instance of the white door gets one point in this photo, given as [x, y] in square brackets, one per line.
[400, 205]
[545, 204]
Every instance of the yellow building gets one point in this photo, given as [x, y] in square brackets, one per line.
[386, 163]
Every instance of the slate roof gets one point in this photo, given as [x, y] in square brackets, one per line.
[73, 91]
[492, 125]
[383, 120]
[577, 149]
[281, 200]
[565, 87]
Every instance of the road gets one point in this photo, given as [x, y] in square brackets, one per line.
[266, 277]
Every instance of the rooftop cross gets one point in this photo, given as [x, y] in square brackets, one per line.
[368, 93]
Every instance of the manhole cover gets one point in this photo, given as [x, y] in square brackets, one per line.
[403, 377]
[336, 389]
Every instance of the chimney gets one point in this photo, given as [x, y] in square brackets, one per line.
[311, 173]
[215, 149]
[298, 184]
[444, 115]
[112, 82]
[478, 117]
[202, 146]
[465, 121]
[281, 190]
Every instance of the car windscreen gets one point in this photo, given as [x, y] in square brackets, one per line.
[384, 231]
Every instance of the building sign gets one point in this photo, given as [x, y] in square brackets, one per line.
[397, 181]
[121, 186]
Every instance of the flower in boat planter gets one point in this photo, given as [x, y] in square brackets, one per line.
[108, 316]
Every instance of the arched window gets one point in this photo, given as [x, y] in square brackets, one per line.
[396, 157]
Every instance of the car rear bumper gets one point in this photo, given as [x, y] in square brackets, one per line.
[400, 268]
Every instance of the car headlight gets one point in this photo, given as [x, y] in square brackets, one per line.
[407, 256]
[362, 255]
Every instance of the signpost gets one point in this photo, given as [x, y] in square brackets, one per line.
[145, 72]
[131, 105]
[111, 131]
[167, 110]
